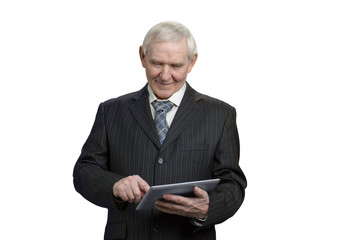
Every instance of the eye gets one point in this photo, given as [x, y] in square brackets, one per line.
[177, 65]
[156, 64]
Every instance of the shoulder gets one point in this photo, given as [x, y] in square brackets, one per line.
[212, 104]
[119, 106]
[124, 100]
[216, 103]
[217, 109]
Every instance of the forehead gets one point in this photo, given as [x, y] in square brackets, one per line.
[169, 49]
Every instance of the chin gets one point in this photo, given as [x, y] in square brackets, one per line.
[161, 97]
[163, 94]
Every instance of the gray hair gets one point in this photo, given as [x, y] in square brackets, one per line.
[170, 31]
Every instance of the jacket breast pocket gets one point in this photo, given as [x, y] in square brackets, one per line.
[115, 231]
[196, 147]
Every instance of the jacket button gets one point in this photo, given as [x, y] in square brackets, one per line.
[160, 161]
[156, 229]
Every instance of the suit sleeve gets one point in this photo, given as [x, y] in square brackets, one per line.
[92, 178]
[228, 196]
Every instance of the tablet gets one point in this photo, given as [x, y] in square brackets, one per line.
[184, 189]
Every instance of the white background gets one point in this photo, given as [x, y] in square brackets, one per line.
[291, 69]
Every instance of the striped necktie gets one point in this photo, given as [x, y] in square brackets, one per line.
[161, 108]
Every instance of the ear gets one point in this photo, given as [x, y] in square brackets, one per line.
[142, 56]
[192, 63]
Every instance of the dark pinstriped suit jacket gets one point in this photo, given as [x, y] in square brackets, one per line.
[202, 143]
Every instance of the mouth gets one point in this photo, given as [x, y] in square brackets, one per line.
[164, 83]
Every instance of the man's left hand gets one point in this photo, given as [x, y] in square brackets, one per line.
[192, 207]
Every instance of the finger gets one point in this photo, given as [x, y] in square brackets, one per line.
[136, 191]
[143, 185]
[139, 187]
[129, 193]
[123, 196]
[127, 189]
[119, 191]
[175, 199]
[164, 209]
[169, 207]
[167, 210]
[172, 208]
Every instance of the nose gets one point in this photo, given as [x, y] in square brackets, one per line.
[165, 73]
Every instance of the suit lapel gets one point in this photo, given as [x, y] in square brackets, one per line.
[140, 109]
[189, 109]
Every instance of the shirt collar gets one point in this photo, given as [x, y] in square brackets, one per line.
[175, 98]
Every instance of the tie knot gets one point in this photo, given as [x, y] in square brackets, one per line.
[162, 106]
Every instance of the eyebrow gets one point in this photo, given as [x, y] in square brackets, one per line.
[155, 61]
[176, 64]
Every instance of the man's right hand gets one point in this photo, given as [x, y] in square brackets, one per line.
[130, 189]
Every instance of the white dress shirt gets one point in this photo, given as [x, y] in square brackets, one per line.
[175, 98]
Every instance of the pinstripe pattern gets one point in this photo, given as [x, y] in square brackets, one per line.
[201, 143]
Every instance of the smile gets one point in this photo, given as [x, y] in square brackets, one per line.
[164, 83]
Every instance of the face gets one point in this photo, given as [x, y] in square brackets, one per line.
[167, 66]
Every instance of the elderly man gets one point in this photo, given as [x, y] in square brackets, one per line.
[164, 133]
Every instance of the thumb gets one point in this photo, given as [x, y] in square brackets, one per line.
[200, 193]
